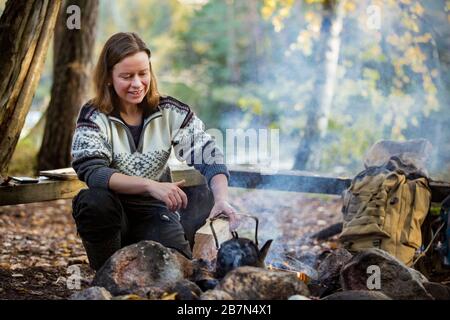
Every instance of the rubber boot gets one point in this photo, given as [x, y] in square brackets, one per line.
[99, 252]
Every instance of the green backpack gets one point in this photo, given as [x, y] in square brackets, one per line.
[385, 209]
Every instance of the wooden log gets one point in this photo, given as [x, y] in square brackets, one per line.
[43, 191]
[287, 180]
[294, 181]
[193, 177]
[301, 181]
[204, 244]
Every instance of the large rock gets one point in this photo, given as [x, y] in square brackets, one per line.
[216, 295]
[437, 290]
[357, 295]
[396, 279]
[329, 271]
[138, 268]
[260, 284]
[185, 290]
[92, 293]
[180, 290]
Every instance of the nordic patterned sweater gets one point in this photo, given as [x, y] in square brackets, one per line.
[102, 145]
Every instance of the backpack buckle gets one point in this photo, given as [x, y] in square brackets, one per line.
[377, 243]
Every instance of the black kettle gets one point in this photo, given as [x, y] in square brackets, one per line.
[238, 252]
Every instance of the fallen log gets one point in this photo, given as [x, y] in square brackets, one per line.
[249, 178]
[204, 244]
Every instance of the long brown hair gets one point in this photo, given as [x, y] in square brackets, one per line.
[118, 47]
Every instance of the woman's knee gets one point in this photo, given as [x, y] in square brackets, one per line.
[172, 234]
[97, 207]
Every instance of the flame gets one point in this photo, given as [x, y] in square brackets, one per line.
[285, 267]
[302, 276]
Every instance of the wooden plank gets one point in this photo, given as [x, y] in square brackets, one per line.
[193, 177]
[45, 190]
[249, 178]
[204, 244]
[301, 181]
[439, 190]
[60, 174]
[287, 180]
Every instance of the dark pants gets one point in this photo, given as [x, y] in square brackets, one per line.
[100, 214]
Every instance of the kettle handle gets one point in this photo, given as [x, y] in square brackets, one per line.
[234, 233]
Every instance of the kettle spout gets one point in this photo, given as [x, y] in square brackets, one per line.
[263, 252]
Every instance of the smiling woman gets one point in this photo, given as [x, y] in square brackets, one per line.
[131, 79]
[121, 147]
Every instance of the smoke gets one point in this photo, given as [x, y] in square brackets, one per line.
[389, 82]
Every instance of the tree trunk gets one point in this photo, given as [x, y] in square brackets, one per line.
[72, 65]
[255, 41]
[232, 61]
[320, 105]
[26, 29]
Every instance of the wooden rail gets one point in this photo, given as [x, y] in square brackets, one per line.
[249, 178]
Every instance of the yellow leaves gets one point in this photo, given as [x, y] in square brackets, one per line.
[252, 104]
[315, 1]
[428, 85]
[128, 297]
[401, 42]
[410, 23]
[277, 23]
[169, 296]
[416, 59]
[304, 43]
[278, 10]
[306, 37]
[200, 47]
[371, 74]
[426, 37]
[417, 9]
[314, 21]
[268, 8]
[349, 6]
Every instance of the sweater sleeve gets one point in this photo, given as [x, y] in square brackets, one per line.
[91, 151]
[198, 149]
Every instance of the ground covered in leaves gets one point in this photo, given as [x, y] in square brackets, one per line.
[40, 243]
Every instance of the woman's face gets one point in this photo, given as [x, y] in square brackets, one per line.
[131, 78]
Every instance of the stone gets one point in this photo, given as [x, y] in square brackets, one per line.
[216, 295]
[185, 290]
[92, 293]
[138, 268]
[298, 297]
[253, 283]
[329, 271]
[396, 280]
[437, 290]
[357, 295]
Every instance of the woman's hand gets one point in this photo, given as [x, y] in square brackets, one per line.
[170, 193]
[224, 208]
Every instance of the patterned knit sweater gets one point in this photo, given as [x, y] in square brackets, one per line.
[103, 144]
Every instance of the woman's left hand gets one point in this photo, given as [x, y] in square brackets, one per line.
[224, 208]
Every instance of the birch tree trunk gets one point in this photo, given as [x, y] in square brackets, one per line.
[320, 105]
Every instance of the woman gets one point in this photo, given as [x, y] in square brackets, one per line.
[120, 148]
